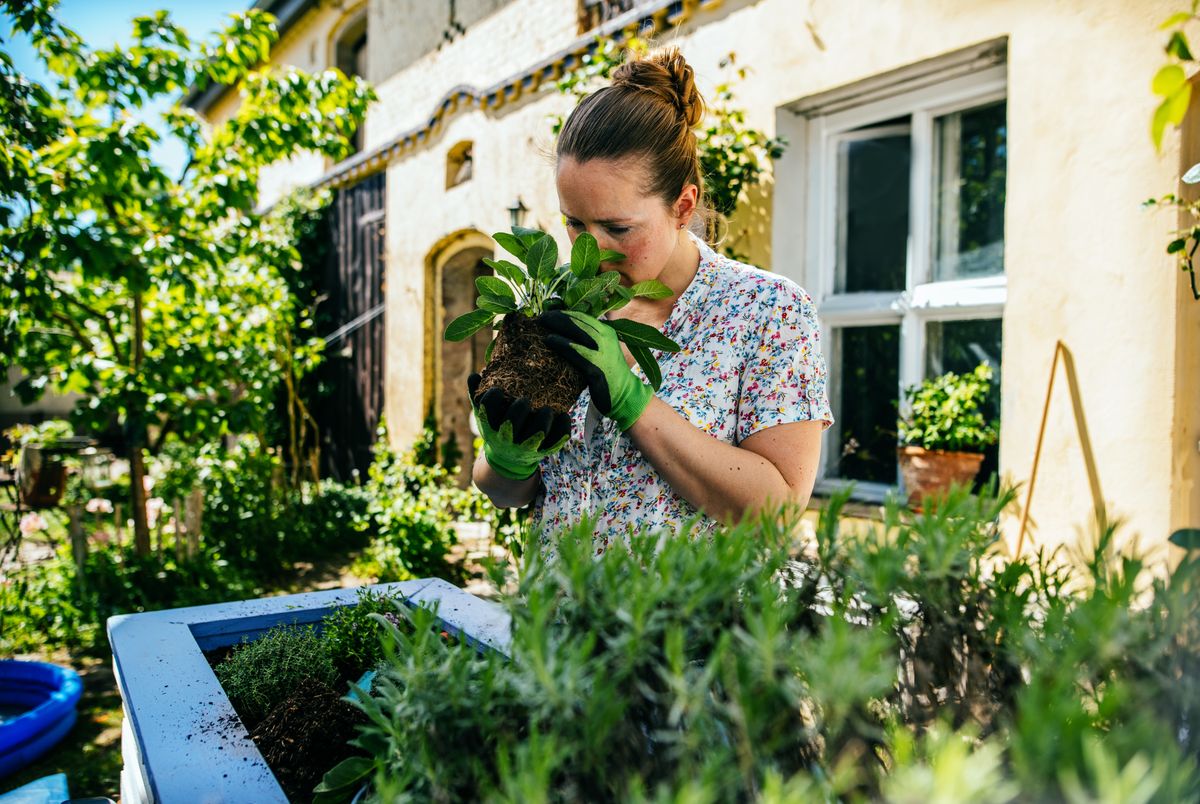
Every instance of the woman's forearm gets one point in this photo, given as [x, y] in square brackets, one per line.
[724, 481]
[503, 492]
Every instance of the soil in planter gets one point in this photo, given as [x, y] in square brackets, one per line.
[523, 366]
[306, 736]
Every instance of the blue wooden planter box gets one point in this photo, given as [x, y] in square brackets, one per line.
[181, 740]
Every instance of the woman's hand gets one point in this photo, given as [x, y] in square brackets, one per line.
[516, 438]
[591, 346]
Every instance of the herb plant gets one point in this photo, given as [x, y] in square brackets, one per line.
[260, 675]
[580, 286]
[945, 413]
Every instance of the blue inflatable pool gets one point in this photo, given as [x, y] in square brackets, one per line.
[37, 709]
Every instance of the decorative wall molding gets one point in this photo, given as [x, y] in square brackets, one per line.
[645, 20]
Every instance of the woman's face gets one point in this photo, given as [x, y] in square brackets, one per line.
[607, 198]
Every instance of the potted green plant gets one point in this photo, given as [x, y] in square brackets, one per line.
[943, 432]
[518, 361]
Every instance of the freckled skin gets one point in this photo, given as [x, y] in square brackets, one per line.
[606, 198]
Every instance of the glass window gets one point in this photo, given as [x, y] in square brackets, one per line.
[873, 172]
[971, 149]
[865, 408]
[960, 346]
[886, 273]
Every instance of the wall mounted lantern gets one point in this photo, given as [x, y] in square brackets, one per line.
[516, 212]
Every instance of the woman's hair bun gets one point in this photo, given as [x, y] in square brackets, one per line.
[667, 74]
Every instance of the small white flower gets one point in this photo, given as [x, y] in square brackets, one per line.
[31, 523]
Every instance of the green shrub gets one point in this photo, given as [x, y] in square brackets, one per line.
[413, 505]
[946, 412]
[352, 637]
[907, 663]
[252, 520]
[259, 675]
[49, 605]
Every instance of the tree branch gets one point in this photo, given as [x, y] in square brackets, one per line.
[83, 339]
[112, 335]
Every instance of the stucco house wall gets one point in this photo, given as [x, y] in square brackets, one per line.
[1083, 263]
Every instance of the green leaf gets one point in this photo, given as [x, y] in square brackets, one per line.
[1178, 47]
[1168, 80]
[585, 256]
[343, 780]
[510, 271]
[467, 325]
[652, 289]
[621, 297]
[608, 255]
[649, 365]
[491, 286]
[528, 236]
[511, 244]
[635, 334]
[542, 258]
[1178, 18]
[1187, 538]
[496, 304]
[1171, 112]
[1176, 246]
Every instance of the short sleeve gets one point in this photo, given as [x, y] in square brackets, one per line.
[784, 379]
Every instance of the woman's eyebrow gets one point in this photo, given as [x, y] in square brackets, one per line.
[604, 221]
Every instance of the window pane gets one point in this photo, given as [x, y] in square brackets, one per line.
[970, 165]
[960, 346]
[868, 379]
[873, 220]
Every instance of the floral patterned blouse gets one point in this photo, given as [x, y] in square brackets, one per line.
[750, 359]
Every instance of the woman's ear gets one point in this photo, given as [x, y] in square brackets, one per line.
[685, 205]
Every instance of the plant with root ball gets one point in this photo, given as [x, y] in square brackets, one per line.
[518, 361]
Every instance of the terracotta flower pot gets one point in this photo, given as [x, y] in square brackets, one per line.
[932, 471]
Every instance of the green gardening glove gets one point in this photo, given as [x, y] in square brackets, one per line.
[516, 438]
[591, 346]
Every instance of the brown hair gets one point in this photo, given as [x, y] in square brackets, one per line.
[649, 112]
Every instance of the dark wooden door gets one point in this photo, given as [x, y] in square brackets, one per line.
[352, 375]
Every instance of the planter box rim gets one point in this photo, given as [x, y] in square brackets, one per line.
[181, 738]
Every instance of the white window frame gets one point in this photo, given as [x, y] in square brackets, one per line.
[807, 187]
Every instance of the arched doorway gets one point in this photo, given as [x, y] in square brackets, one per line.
[454, 294]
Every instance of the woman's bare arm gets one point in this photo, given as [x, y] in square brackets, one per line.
[774, 466]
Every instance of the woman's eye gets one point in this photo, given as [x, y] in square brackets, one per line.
[616, 230]
[573, 224]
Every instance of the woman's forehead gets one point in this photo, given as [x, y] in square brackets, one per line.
[601, 189]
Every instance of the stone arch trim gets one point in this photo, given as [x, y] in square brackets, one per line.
[440, 253]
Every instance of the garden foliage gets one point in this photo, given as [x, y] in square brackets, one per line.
[260, 675]
[160, 298]
[579, 286]
[947, 412]
[414, 503]
[905, 662]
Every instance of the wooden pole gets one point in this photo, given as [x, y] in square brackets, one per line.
[195, 512]
[1085, 442]
[78, 541]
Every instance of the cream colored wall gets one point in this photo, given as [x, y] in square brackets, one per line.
[1084, 263]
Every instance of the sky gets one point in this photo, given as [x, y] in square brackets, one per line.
[104, 23]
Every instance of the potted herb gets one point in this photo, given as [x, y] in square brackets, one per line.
[518, 361]
[944, 433]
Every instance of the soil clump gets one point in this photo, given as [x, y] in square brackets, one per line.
[523, 366]
[306, 736]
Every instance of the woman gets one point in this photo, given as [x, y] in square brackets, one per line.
[736, 424]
